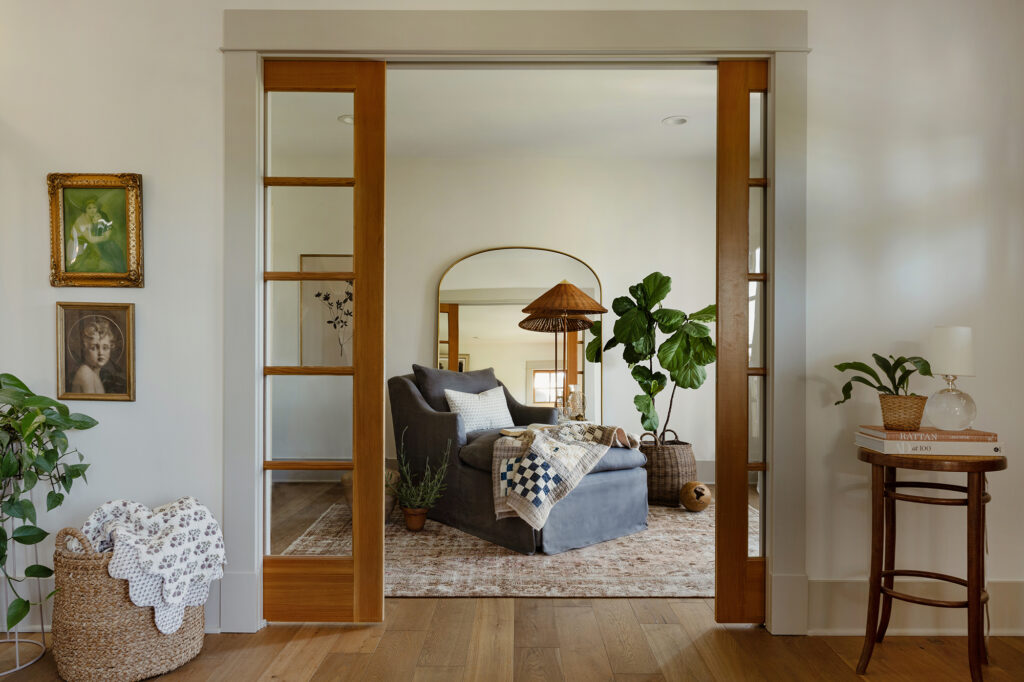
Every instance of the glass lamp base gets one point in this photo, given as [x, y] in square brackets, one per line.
[951, 410]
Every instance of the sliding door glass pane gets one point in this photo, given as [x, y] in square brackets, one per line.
[309, 418]
[755, 419]
[306, 221]
[308, 136]
[756, 497]
[755, 222]
[755, 320]
[309, 513]
[757, 135]
[310, 323]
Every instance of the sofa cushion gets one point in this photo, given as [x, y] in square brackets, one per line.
[433, 382]
[487, 410]
[479, 450]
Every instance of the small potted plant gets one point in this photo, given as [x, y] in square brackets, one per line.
[417, 497]
[901, 409]
[34, 451]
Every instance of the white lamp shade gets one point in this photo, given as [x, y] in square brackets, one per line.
[951, 351]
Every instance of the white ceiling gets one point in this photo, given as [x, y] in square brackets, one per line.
[516, 112]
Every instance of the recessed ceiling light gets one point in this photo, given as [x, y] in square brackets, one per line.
[674, 120]
[347, 119]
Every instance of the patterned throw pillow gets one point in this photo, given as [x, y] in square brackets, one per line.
[487, 410]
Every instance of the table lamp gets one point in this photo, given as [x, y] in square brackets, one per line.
[951, 355]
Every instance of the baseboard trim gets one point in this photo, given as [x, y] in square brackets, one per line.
[787, 604]
[839, 607]
[241, 603]
[706, 471]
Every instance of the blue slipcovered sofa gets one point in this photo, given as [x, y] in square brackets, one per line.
[610, 501]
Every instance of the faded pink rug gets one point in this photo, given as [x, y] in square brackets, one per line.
[674, 557]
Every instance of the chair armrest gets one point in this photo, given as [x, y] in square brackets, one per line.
[427, 431]
[525, 414]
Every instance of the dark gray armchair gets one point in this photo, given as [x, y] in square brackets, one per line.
[610, 502]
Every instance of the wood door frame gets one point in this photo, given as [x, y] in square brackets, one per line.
[570, 37]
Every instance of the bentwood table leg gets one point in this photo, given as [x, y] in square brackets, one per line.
[981, 557]
[875, 580]
[889, 562]
[975, 573]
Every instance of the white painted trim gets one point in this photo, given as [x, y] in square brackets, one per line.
[674, 37]
[839, 607]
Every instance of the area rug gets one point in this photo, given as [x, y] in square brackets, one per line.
[674, 557]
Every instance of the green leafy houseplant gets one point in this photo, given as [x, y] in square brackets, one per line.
[683, 355]
[422, 494]
[897, 370]
[33, 450]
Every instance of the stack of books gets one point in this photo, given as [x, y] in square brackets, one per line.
[929, 441]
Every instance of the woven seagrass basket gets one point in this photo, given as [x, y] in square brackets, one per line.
[99, 635]
[670, 465]
[902, 412]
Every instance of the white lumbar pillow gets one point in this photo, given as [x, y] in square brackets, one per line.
[487, 410]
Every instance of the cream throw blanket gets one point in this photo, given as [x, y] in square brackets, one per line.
[535, 467]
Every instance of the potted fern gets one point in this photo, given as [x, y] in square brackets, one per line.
[901, 409]
[416, 497]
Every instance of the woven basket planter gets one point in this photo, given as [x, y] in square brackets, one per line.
[902, 412]
[99, 635]
[670, 465]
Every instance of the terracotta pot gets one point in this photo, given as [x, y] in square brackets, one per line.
[414, 518]
[902, 412]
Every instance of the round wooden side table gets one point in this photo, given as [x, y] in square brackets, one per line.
[885, 491]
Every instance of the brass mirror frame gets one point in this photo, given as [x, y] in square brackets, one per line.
[600, 297]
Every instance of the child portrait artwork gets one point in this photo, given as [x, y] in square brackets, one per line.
[95, 351]
[95, 229]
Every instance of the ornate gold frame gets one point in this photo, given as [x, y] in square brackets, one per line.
[129, 350]
[437, 330]
[132, 183]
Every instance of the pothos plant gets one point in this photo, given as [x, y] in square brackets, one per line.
[683, 355]
[34, 451]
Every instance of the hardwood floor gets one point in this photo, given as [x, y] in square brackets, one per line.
[564, 640]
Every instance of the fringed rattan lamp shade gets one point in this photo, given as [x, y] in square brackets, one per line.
[564, 299]
[541, 323]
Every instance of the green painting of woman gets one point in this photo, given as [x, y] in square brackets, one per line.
[95, 230]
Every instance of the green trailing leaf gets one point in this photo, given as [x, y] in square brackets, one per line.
[16, 612]
[38, 571]
[12, 508]
[59, 440]
[82, 421]
[28, 510]
[11, 381]
[12, 397]
[656, 286]
[29, 479]
[27, 425]
[706, 314]
[9, 465]
[28, 535]
[668, 319]
[53, 500]
[42, 402]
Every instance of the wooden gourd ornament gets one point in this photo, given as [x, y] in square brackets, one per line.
[695, 496]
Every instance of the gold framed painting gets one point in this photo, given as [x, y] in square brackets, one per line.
[95, 351]
[95, 229]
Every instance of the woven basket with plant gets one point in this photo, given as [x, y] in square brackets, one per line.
[901, 409]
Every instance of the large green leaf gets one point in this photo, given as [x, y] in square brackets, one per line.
[645, 344]
[859, 367]
[28, 535]
[631, 326]
[38, 571]
[650, 382]
[593, 350]
[922, 365]
[657, 287]
[706, 314]
[53, 500]
[703, 350]
[16, 612]
[887, 368]
[648, 416]
[12, 397]
[848, 388]
[11, 381]
[690, 375]
[41, 401]
[8, 466]
[612, 342]
[696, 329]
[59, 440]
[669, 319]
[638, 292]
[30, 478]
[28, 510]
[622, 305]
[82, 421]
[674, 351]
[631, 356]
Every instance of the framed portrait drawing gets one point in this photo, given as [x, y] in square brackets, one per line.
[95, 230]
[96, 351]
[326, 312]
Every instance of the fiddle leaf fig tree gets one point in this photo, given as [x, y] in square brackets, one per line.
[681, 357]
[34, 451]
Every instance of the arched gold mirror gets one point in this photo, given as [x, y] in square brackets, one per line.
[480, 302]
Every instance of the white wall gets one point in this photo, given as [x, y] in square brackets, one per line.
[914, 218]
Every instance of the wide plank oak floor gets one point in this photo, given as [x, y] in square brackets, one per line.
[561, 640]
